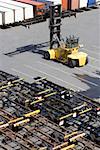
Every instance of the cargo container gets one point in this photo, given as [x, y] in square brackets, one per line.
[18, 12]
[55, 2]
[27, 9]
[38, 7]
[6, 16]
[91, 3]
[46, 2]
[73, 4]
[65, 5]
[83, 3]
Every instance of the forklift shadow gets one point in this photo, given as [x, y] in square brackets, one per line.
[36, 48]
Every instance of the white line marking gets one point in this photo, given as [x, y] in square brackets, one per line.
[15, 70]
[95, 46]
[94, 59]
[91, 51]
[66, 71]
[38, 70]
[69, 73]
[93, 66]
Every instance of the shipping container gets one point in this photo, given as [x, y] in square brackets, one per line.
[18, 12]
[27, 9]
[55, 2]
[91, 3]
[46, 2]
[65, 5]
[6, 16]
[38, 7]
[73, 4]
[83, 3]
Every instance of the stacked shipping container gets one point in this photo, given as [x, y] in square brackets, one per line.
[38, 7]
[27, 9]
[6, 16]
[19, 10]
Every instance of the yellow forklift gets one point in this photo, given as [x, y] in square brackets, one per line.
[67, 51]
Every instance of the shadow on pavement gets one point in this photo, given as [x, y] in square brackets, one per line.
[37, 48]
[93, 83]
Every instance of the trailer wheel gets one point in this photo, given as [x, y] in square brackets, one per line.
[47, 55]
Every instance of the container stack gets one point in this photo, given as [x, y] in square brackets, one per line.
[22, 10]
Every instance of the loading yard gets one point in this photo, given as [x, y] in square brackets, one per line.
[20, 38]
[42, 86]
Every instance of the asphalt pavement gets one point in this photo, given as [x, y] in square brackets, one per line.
[30, 64]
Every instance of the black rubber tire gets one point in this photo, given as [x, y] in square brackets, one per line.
[72, 63]
[47, 55]
[86, 61]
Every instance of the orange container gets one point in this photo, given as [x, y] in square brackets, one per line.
[73, 4]
[37, 6]
[64, 5]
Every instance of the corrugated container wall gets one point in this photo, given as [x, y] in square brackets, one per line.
[64, 5]
[37, 6]
[18, 12]
[91, 3]
[73, 4]
[27, 9]
[6, 16]
[46, 2]
[83, 3]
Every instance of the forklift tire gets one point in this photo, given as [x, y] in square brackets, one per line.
[47, 55]
[72, 63]
[86, 61]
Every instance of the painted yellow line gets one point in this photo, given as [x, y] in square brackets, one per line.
[76, 137]
[61, 145]
[84, 111]
[1, 123]
[32, 113]
[17, 80]
[68, 135]
[50, 94]
[40, 79]
[37, 101]
[42, 92]
[71, 114]
[68, 147]
[66, 116]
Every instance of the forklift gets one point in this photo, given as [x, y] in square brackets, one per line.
[66, 52]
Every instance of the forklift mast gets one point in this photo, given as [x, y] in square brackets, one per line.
[55, 25]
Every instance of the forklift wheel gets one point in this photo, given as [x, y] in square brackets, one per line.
[86, 61]
[47, 55]
[72, 63]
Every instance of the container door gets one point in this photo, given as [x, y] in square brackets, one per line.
[64, 5]
[83, 3]
[91, 3]
[74, 4]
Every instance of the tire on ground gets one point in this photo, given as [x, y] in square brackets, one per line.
[47, 55]
[72, 63]
[86, 61]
